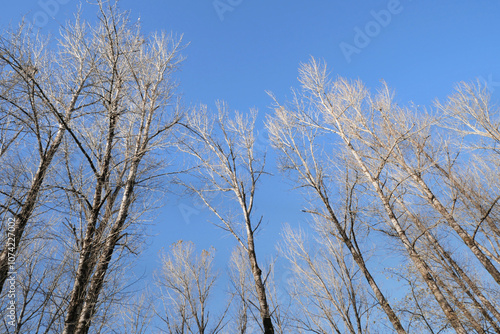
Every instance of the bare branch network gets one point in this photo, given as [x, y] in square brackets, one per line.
[401, 203]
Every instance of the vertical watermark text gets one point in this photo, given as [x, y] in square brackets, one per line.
[11, 274]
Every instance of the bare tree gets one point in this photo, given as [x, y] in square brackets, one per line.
[83, 127]
[243, 299]
[300, 150]
[110, 162]
[245, 317]
[41, 91]
[100, 107]
[279, 300]
[186, 282]
[470, 115]
[41, 284]
[226, 164]
[395, 151]
[139, 313]
[326, 285]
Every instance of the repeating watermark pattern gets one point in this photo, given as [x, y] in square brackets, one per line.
[221, 7]
[364, 35]
[49, 9]
[187, 211]
[288, 279]
[262, 141]
[11, 278]
[252, 327]
[489, 83]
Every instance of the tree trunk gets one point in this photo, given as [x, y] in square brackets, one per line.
[88, 252]
[422, 267]
[98, 279]
[29, 205]
[467, 239]
[460, 277]
[259, 285]
[358, 258]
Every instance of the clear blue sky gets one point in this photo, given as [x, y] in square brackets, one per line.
[238, 49]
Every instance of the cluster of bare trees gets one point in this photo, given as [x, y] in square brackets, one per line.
[84, 119]
[424, 182]
[402, 202]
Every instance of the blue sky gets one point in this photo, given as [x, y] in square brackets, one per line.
[239, 49]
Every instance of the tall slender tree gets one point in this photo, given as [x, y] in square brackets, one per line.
[225, 162]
